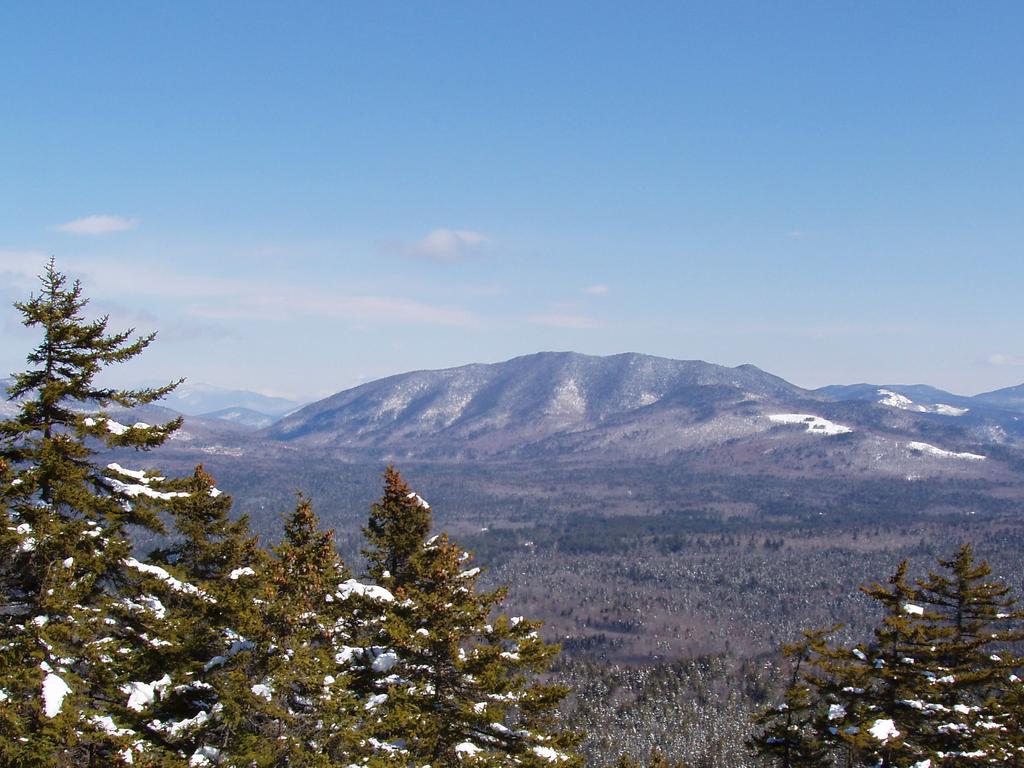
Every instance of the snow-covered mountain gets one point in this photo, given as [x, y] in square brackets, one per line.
[912, 397]
[630, 406]
[523, 400]
[563, 406]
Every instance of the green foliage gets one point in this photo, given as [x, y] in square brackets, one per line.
[305, 627]
[395, 532]
[936, 687]
[65, 592]
[788, 733]
[461, 680]
[211, 658]
[969, 623]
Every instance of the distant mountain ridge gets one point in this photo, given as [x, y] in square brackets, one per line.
[245, 417]
[630, 406]
[1011, 398]
[198, 399]
[522, 399]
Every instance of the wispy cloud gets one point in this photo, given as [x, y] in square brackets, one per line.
[596, 290]
[575, 322]
[285, 304]
[22, 265]
[1005, 360]
[207, 298]
[173, 328]
[447, 245]
[97, 224]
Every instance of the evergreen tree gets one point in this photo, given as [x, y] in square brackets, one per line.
[788, 734]
[309, 626]
[398, 525]
[447, 680]
[936, 688]
[1005, 744]
[215, 600]
[888, 724]
[872, 716]
[970, 627]
[71, 641]
[258, 681]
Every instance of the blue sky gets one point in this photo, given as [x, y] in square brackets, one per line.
[304, 196]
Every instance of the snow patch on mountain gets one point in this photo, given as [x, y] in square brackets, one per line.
[648, 398]
[567, 399]
[904, 403]
[448, 411]
[816, 425]
[931, 450]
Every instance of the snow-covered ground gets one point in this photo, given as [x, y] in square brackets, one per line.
[815, 424]
[931, 450]
[896, 400]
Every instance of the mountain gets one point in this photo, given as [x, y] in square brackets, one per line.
[244, 417]
[195, 430]
[914, 397]
[1010, 398]
[196, 399]
[567, 406]
[502, 406]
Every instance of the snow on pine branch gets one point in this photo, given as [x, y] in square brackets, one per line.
[176, 584]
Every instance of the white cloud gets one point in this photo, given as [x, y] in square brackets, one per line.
[365, 310]
[97, 224]
[575, 322]
[447, 245]
[596, 290]
[1005, 360]
[23, 265]
[238, 298]
[209, 301]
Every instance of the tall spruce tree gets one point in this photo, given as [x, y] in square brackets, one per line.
[971, 625]
[889, 723]
[214, 598]
[936, 688]
[398, 525]
[71, 642]
[448, 680]
[867, 693]
[788, 734]
[308, 626]
[256, 674]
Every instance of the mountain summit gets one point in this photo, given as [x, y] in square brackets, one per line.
[521, 402]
